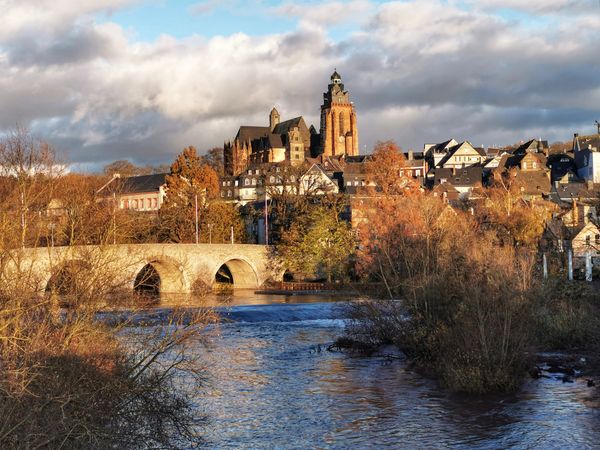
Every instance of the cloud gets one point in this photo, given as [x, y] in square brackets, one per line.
[204, 7]
[418, 71]
[325, 13]
[539, 6]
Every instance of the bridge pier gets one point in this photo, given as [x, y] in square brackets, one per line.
[178, 266]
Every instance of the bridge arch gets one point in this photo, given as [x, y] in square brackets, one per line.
[70, 278]
[238, 272]
[160, 275]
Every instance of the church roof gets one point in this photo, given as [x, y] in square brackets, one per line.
[249, 133]
[335, 75]
[285, 126]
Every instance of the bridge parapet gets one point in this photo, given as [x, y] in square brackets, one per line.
[179, 266]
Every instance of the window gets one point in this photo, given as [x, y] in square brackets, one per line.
[149, 203]
[271, 179]
[598, 239]
[402, 173]
[356, 183]
[443, 180]
[588, 239]
[155, 201]
[292, 178]
[222, 194]
[297, 156]
[135, 204]
[235, 183]
[253, 181]
[348, 183]
[228, 193]
[247, 182]
[223, 183]
[126, 204]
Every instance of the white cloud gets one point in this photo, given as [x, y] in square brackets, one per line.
[540, 6]
[325, 13]
[418, 71]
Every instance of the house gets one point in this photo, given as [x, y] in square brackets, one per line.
[527, 168]
[574, 230]
[267, 180]
[434, 153]
[137, 193]
[315, 181]
[562, 168]
[466, 182]
[565, 191]
[461, 156]
[586, 151]
[451, 154]
[414, 165]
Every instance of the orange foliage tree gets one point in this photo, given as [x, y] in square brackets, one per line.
[385, 169]
[194, 182]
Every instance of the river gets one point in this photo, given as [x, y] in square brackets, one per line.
[272, 384]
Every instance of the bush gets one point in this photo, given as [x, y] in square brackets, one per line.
[68, 380]
[567, 316]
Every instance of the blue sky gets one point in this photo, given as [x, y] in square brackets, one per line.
[148, 20]
[113, 79]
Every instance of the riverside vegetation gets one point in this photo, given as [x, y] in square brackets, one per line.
[68, 379]
[475, 308]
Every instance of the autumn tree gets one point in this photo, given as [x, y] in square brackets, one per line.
[193, 186]
[514, 220]
[28, 170]
[385, 169]
[214, 158]
[122, 167]
[319, 243]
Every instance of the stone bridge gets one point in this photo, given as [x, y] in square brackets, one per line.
[167, 268]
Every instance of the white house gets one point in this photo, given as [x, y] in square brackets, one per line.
[586, 150]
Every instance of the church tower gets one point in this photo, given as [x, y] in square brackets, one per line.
[339, 132]
[273, 119]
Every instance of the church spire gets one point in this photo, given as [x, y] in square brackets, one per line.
[274, 118]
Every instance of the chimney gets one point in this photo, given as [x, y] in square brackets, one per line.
[411, 156]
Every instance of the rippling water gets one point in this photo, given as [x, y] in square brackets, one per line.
[273, 384]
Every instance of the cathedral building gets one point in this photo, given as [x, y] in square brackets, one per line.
[292, 141]
[339, 133]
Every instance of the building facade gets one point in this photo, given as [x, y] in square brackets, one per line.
[339, 131]
[292, 141]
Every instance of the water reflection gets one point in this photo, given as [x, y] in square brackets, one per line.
[273, 384]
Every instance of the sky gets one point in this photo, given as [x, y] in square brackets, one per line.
[141, 79]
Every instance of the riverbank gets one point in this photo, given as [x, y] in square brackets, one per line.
[269, 370]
